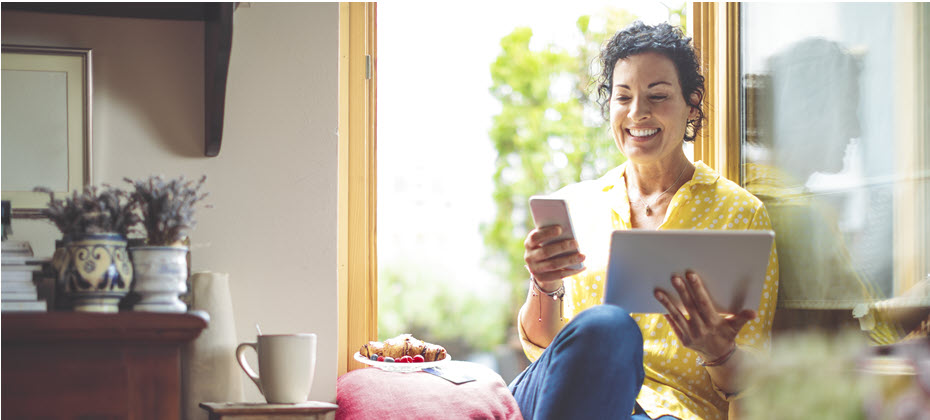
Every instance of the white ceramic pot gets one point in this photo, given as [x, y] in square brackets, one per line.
[160, 277]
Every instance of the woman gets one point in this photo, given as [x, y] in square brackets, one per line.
[597, 361]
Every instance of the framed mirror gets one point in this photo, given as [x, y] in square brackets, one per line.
[46, 124]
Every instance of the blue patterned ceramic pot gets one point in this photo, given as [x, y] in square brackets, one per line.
[96, 272]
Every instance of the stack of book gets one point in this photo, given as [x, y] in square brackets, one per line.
[18, 292]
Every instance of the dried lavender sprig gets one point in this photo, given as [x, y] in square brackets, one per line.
[167, 207]
[93, 210]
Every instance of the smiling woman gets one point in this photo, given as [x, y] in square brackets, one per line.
[648, 72]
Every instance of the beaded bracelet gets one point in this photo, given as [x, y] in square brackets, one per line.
[557, 294]
[719, 361]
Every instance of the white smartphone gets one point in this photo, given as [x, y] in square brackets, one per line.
[548, 211]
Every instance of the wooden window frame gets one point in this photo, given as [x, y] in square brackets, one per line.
[357, 240]
[716, 37]
[912, 156]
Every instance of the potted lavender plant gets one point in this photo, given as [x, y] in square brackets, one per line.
[93, 266]
[167, 209]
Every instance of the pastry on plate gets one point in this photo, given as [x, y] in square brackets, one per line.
[404, 345]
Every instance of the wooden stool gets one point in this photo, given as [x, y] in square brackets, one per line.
[310, 410]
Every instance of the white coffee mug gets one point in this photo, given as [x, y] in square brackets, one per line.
[285, 366]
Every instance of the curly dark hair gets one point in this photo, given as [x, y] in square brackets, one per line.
[668, 40]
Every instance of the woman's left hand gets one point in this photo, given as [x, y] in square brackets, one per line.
[695, 321]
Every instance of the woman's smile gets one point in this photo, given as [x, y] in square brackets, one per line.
[642, 134]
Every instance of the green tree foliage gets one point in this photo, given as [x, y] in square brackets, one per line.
[549, 133]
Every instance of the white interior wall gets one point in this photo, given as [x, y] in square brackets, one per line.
[273, 186]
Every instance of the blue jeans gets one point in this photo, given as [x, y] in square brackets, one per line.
[593, 369]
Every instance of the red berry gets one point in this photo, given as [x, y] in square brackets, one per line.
[407, 359]
[418, 358]
[380, 358]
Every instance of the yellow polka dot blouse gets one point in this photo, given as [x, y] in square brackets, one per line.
[674, 383]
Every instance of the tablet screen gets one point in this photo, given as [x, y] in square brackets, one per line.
[731, 263]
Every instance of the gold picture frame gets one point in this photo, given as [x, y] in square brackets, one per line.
[46, 124]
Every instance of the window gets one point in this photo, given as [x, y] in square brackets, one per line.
[835, 140]
[886, 156]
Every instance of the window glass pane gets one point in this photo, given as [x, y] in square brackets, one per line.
[835, 142]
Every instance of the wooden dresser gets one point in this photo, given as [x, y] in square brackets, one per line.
[66, 365]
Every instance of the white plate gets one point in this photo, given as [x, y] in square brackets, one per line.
[401, 367]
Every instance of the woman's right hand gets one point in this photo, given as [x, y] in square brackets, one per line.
[549, 263]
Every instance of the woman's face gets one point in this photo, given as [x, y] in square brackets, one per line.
[648, 113]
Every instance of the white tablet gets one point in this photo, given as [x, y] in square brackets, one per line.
[731, 263]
